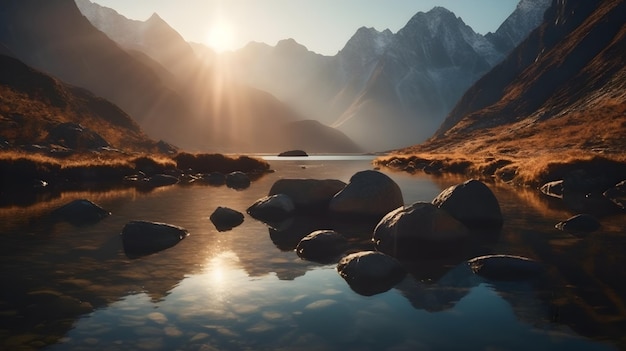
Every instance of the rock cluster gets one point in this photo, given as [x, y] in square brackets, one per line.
[403, 233]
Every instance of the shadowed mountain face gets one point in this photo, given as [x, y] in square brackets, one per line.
[186, 103]
[566, 82]
[386, 90]
[36, 107]
[54, 37]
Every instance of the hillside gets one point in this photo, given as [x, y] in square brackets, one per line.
[38, 109]
[559, 97]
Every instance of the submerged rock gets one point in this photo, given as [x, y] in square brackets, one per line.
[409, 231]
[80, 211]
[473, 204]
[505, 267]
[369, 193]
[214, 178]
[370, 272]
[308, 194]
[579, 224]
[321, 245]
[237, 180]
[143, 237]
[617, 194]
[272, 208]
[225, 218]
[553, 189]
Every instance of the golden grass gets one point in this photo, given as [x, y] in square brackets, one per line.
[524, 171]
[21, 168]
[85, 159]
[530, 151]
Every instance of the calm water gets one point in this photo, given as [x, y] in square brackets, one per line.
[72, 288]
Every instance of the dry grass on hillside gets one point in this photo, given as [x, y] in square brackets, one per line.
[528, 152]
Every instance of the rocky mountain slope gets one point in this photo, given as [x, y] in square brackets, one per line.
[38, 109]
[382, 89]
[558, 99]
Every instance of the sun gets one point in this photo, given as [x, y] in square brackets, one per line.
[221, 36]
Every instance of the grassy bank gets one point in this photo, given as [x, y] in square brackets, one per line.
[520, 170]
[28, 169]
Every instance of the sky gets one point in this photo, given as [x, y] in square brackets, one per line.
[323, 26]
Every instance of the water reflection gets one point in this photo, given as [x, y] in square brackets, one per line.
[246, 288]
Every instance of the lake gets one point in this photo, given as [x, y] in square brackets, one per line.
[67, 287]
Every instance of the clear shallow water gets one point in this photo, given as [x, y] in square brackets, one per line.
[72, 288]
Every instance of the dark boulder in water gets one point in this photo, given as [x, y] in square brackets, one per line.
[369, 193]
[142, 238]
[225, 218]
[473, 204]
[321, 245]
[237, 180]
[417, 230]
[272, 208]
[308, 194]
[293, 153]
[370, 272]
[505, 267]
[80, 211]
[579, 224]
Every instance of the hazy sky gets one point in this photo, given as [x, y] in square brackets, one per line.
[323, 26]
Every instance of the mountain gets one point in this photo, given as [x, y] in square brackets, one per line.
[386, 90]
[39, 109]
[54, 37]
[427, 67]
[233, 116]
[154, 37]
[561, 89]
[527, 15]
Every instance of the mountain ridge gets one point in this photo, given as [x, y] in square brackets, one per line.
[204, 110]
[332, 88]
[556, 104]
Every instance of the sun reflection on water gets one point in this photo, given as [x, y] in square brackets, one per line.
[220, 271]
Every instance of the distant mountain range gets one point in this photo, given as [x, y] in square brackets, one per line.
[563, 88]
[387, 90]
[170, 93]
[383, 90]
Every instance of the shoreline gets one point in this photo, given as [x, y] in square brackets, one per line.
[527, 171]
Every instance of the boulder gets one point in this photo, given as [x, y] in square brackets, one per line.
[214, 178]
[321, 245]
[293, 153]
[370, 272]
[617, 194]
[237, 180]
[553, 189]
[473, 204]
[225, 218]
[143, 238]
[75, 136]
[369, 193]
[579, 224]
[414, 230]
[80, 211]
[505, 267]
[308, 194]
[272, 208]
